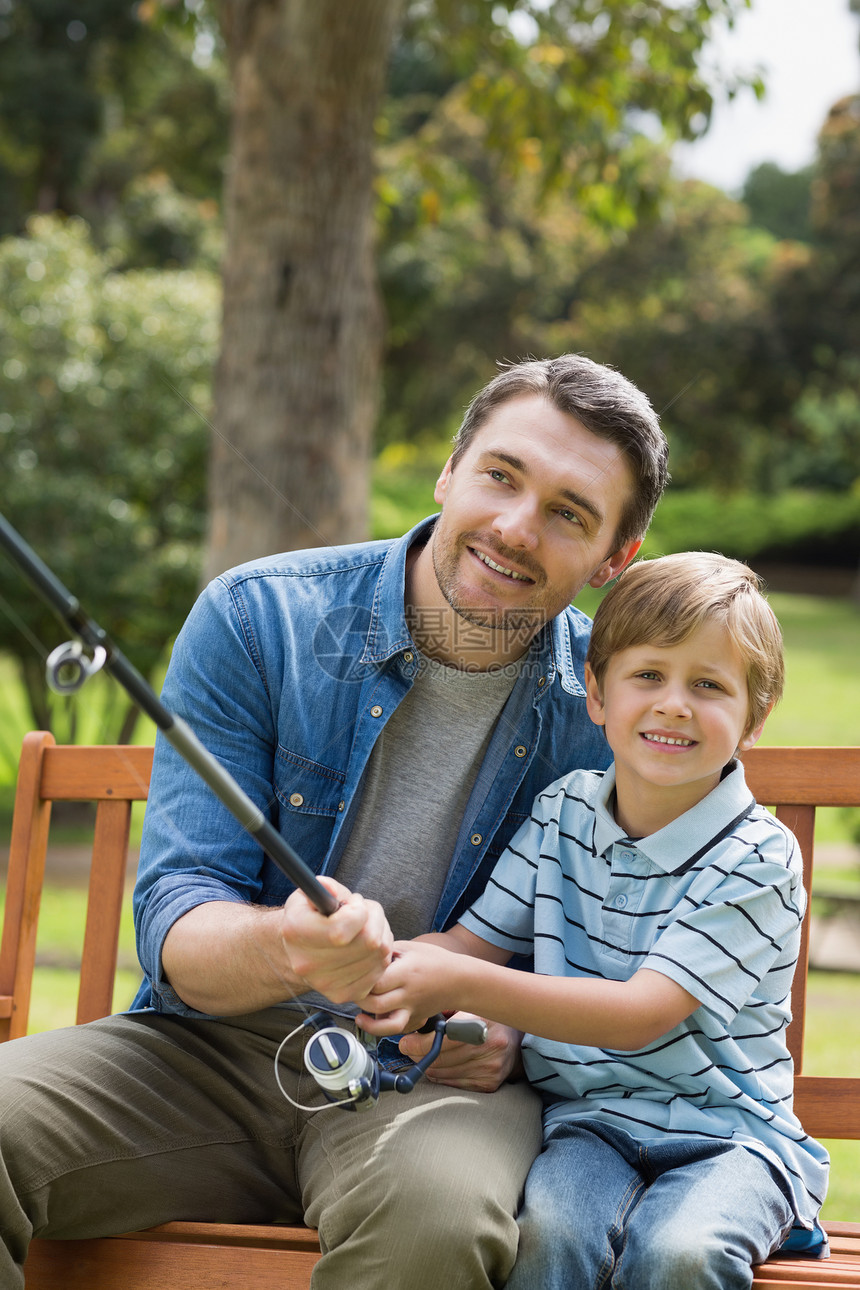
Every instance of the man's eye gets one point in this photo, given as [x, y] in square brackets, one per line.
[570, 516]
[499, 475]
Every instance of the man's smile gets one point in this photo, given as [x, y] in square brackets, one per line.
[501, 568]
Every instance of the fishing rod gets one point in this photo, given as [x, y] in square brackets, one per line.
[69, 667]
[347, 1071]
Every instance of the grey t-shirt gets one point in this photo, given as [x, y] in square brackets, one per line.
[416, 788]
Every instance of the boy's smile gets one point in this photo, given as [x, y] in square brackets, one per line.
[674, 716]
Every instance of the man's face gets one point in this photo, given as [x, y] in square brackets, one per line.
[529, 516]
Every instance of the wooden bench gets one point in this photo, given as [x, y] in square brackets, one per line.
[191, 1256]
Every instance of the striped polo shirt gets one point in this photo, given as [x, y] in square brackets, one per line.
[714, 900]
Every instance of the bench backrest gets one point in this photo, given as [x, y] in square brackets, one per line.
[792, 780]
[113, 777]
[795, 781]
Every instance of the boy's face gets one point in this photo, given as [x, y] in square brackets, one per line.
[674, 715]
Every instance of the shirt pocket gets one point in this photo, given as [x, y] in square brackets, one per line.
[310, 800]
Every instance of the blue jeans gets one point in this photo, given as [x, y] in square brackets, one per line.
[602, 1209]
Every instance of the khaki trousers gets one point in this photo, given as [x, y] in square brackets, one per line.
[143, 1118]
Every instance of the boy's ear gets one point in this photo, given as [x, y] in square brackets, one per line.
[593, 699]
[442, 483]
[614, 564]
[750, 740]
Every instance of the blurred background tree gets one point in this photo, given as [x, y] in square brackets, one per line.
[473, 180]
[483, 94]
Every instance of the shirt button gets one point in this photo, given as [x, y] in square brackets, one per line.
[408, 656]
[520, 750]
[541, 682]
[620, 902]
[376, 711]
[296, 799]
[341, 805]
[477, 839]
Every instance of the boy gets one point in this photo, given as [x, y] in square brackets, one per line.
[663, 908]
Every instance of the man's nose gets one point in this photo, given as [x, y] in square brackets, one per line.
[520, 523]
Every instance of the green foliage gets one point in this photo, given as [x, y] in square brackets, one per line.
[512, 157]
[104, 385]
[815, 300]
[779, 200]
[828, 412]
[803, 527]
[681, 306]
[557, 88]
[53, 54]
[171, 113]
[157, 226]
[96, 94]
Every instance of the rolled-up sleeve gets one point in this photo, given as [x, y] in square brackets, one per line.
[193, 850]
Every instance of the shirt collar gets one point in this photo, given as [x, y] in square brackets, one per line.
[388, 632]
[675, 848]
[551, 652]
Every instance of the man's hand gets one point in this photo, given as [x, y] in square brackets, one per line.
[227, 958]
[341, 955]
[481, 1069]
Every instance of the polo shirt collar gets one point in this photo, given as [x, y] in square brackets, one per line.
[677, 847]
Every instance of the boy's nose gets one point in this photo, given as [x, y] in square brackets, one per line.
[673, 701]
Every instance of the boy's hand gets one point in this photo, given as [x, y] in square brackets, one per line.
[420, 981]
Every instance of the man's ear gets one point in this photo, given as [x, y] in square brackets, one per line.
[613, 564]
[593, 698]
[442, 483]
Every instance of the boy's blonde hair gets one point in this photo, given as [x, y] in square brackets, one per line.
[663, 601]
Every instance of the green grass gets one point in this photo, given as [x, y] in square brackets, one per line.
[58, 951]
[831, 1046]
[55, 996]
[822, 691]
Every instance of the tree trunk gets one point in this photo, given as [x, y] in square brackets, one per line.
[297, 378]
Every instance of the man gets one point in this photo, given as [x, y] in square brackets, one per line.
[394, 707]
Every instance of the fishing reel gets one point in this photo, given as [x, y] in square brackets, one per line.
[349, 1072]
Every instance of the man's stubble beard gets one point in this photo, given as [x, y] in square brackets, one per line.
[525, 620]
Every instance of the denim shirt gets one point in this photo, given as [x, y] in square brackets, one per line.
[287, 669]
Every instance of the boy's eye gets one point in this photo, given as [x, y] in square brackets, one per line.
[648, 676]
[709, 685]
